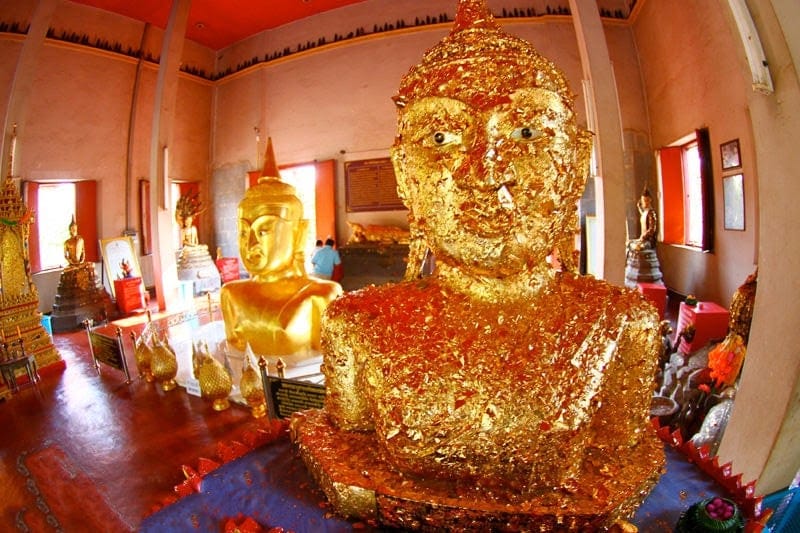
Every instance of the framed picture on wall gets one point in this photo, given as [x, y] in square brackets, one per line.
[729, 152]
[116, 251]
[733, 196]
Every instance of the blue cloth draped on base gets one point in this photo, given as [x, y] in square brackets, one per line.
[272, 486]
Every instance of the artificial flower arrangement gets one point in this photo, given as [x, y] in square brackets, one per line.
[725, 360]
[691, 300]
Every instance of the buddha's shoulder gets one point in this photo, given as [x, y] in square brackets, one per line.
[591, 294]
[389, 298]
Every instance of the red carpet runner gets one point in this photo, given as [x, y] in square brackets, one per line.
[57, 483]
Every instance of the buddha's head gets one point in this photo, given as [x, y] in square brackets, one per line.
[645, 199]
[489, 158]
[73, 227]
[271, 229]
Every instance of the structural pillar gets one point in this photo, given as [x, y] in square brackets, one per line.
[603, 114]
[165, 269]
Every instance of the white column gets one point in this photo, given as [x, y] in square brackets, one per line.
[165, 270]
[603, 104]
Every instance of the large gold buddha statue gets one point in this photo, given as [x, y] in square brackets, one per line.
[279, 309]
[498, 392]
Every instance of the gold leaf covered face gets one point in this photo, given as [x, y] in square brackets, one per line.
[489, 158]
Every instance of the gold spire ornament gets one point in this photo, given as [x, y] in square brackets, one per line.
[497, 390]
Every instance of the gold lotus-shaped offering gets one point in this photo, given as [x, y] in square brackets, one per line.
[144, 355]
[215, 380]
[164, 365]
[252, 388]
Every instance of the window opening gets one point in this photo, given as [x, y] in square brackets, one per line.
[55, 209]
[304, 179]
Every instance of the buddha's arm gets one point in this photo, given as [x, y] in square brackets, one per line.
[344, 401]
[625, 399]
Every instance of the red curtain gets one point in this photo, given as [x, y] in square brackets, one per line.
[326, 198]
[672, 191]
[86, 217]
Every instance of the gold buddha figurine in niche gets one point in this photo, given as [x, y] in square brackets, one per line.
[279, 309]
[497, 390]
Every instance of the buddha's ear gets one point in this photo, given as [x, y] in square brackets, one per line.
[300, 232]
[404, 185]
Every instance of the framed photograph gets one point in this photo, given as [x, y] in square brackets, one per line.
[733, 195]
[120, 259]
[729, 152]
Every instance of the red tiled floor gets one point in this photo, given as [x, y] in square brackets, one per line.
[129, 440]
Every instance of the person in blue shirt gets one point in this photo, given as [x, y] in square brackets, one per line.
[324, 260]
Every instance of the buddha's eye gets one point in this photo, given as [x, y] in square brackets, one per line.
[443, 138]
[526, 133]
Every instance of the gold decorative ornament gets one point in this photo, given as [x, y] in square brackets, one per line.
[144, 355]
[278, 310]
[251, 387]
[163, 364]
[499, 390]
[215, 381]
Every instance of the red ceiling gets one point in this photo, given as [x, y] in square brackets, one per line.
[220, 23]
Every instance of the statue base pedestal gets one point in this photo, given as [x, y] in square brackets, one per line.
[80, 297]
[195, 265]
[642, 266]
[612, 485]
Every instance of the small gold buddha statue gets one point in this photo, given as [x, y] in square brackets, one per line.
[279, 308]
[79, 295]
[189, 232]
[648, 224]
[641, 261]
[74, 249]
[497, 390]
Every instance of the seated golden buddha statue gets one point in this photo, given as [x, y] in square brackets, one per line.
[278, 310]
[189, 232]
[74, 248]
[194, 260]
[498, 390]
[79, 294]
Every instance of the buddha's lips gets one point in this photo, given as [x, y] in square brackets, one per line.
[254, 257]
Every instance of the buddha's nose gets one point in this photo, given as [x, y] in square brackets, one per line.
[252, 239]
[490, 168]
